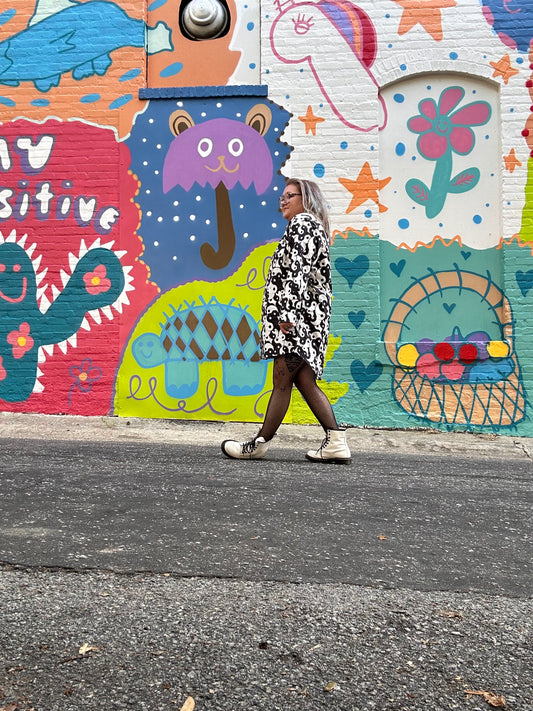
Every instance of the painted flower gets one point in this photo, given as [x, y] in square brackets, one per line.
[96, 282]
[441, 128]
[2, 370]
[85, 374]
[21, 340]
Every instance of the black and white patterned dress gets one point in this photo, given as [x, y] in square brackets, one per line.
[298, 289]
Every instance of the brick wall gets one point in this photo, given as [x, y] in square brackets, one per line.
[416, 123]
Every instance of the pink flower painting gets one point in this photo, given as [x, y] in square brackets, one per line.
[21, 340]
[96, 281]
[444, 130]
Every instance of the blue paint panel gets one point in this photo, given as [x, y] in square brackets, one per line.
[176, 224]
[186, 92]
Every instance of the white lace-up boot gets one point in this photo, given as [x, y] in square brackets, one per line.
[256, 448]
[333, 449]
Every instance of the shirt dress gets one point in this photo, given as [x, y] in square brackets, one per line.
[298, 289]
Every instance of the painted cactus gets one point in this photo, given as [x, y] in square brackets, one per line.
[97, 281]
[208, 331]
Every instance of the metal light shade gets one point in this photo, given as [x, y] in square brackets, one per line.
[205, 19]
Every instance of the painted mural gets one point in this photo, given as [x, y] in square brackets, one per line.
[209, 173]
[194, 353]
[83, 51]
[314, 32]
[140, 169]
[189, 62]
[90, 63]
[67, 265]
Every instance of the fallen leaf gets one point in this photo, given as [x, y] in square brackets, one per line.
[330, 686]
[188, 705]
[382, 538]
[9, 707]
[495, 700]
[451, 613]
[86, 648]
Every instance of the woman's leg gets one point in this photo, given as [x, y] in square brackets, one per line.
[334, 448]
[317, 401]
[285, 370]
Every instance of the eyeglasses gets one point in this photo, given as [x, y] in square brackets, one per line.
[285, 198]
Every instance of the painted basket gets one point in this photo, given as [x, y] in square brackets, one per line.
[497, 403]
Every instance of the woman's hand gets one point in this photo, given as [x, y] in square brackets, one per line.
[286, 327]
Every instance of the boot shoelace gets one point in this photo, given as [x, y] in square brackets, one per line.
[248, 447]
[325, 442]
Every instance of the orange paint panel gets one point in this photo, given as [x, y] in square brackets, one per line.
[196, 63]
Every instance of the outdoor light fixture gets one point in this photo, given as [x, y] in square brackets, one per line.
[204, 19]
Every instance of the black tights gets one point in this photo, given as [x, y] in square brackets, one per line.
[292, 370]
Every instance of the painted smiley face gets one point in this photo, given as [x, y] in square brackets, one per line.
[17, 275]
[11, 283]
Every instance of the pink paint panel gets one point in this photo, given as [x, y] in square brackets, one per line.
[65, 188]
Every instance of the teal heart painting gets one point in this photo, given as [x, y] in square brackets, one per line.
[397, 267]
[352, 269]
[524, 281]
[364, 375]
[356, 319]
[449, 307]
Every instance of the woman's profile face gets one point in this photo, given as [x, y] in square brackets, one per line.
[291, 201]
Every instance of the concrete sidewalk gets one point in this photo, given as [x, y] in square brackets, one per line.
[188, 432]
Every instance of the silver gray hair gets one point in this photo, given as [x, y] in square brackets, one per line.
[313, 201]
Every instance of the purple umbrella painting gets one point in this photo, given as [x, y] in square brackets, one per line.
[222, 153]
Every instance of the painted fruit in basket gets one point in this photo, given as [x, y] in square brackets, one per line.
[476, 358]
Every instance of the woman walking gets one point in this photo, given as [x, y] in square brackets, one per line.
[295, 324]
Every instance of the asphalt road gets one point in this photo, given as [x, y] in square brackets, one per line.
[395, 521]
[140, 572]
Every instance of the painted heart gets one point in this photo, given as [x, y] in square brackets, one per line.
[397, 267]
[524, 281]
[364, 375]
[352, 269]
[449, 307]
[356, 319]
[466, 255]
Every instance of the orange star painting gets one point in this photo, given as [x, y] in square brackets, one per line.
[364, 187]
[511, 161]
[310, 121]
[503, 69]
[426, 13]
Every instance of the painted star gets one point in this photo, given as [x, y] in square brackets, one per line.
[310, 121]
[364, 187]
[504, 69]
[426, 13]
[511, 161]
